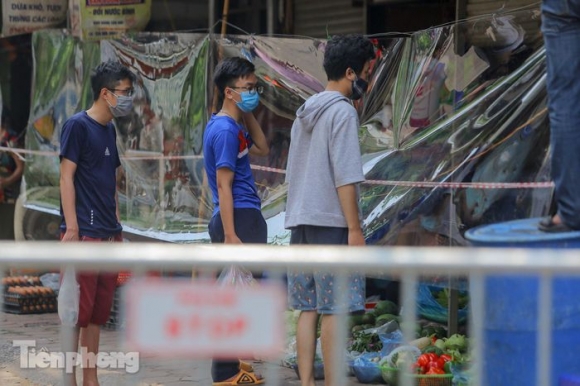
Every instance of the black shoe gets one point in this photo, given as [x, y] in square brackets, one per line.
[548, 226]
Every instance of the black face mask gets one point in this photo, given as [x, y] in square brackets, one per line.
[359, 87]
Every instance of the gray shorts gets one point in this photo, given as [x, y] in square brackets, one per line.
[315, 290]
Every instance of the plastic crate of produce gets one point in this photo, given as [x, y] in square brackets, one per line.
[391, 377]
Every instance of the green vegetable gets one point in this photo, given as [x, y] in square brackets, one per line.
[385, 318]
[365, 342]
[404, 360]
[429, 331]
[355, 320]
[440, 332]
[458, 357]
[356, 329]
[368, 318]
[442, 297]
[447, 367]
[456, 342]
[386, 307]
[432, 349]
[440, 343]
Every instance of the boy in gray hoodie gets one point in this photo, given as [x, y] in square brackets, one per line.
[323, 172]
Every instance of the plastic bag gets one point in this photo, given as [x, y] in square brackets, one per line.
[386, 328]
[68, 298]
[430, 309]
[412, 353]
[290, 359]
[391, 341]
[51, 280]
[366, 368]
[237, 276]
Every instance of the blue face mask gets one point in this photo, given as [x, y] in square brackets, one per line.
[250, 100]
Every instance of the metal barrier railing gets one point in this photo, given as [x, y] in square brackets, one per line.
[407, 263]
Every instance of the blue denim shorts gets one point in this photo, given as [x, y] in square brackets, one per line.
[316, 290]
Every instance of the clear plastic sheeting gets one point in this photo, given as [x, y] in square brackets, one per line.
[454, 129]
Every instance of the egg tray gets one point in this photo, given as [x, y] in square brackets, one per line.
[23, 283]
[7, 287]
[26, 304]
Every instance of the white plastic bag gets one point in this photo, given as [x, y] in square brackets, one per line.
[237, 276]
[412, 352]
[69, 298]
[51, 280]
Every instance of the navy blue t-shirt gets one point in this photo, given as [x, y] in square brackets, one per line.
[93, 148]
[226, 145]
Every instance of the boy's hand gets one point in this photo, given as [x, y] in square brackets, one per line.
[356, 238]
[71, 235]
[232, 240]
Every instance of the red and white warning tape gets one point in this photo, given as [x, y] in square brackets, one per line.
[411, 184]
[452, 185]
[460, 185]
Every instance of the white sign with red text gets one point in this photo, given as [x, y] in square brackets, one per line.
[204, 320]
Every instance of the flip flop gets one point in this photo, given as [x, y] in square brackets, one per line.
[243, 377]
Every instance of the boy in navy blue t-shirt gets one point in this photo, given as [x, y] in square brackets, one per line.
[229, 137]
[88, 167]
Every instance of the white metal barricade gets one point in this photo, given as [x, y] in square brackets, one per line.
[407, 263]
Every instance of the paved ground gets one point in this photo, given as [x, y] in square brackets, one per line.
[45, 329]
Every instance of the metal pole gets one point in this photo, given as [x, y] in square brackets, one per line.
[270, 10]
[211, 16]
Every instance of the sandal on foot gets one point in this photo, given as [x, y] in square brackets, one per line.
[549, 226]
[246, 367]
[243, 377]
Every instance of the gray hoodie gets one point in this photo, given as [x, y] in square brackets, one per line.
[324, 155]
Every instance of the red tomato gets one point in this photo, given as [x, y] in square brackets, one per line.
[423, 360]
[446, 357]
[434, 365]
[434, 371]
[432, 356]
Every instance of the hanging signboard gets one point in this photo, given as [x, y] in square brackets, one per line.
[204, 320]
[25, 16]
[101, 19]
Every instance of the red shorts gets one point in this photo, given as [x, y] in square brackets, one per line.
[97, 290]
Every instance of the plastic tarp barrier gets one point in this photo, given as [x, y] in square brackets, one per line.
[454, 129]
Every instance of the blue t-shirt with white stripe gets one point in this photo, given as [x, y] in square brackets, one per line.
[93, 148]
[226, 145]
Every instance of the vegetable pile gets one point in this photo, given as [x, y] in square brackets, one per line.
[437, 357]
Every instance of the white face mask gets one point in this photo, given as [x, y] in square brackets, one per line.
[123, 107]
